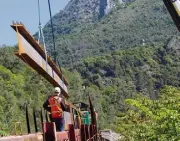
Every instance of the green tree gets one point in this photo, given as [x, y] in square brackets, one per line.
[150, 120]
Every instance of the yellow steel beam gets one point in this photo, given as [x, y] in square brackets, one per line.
[33, 55]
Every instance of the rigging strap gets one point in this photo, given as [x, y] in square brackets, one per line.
[42, 35]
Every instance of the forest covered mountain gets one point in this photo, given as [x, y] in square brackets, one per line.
[127, 25]
[132, 52]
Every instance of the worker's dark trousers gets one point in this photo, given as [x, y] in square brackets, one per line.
[59, 123]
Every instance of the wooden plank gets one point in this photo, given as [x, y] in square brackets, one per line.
[49, 130]
[62, 136]
[72, 136]
[87, 132]
[83, 133]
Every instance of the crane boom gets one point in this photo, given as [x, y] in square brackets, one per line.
[173, 7]
[33, 55]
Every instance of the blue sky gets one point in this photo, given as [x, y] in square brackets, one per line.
[25, 11]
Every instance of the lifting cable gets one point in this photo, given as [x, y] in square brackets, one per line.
[42, 35]
[54, 45]
[52, 29]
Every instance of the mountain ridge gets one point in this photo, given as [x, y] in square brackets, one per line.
[77, 12]
[127, 25]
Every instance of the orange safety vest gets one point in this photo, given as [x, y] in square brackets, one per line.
[56, 110]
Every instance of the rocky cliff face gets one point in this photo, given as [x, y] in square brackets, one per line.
[105, 6]
[76, 13]
[80, 10]
[84, 11]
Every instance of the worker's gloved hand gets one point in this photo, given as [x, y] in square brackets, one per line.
[58, 99]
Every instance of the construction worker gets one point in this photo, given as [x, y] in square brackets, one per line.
[55, 105]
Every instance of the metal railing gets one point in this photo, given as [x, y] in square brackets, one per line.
[35, 116]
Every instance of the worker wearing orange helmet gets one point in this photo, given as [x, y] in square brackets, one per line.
[55, 105]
